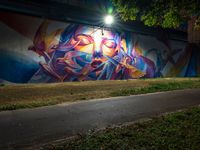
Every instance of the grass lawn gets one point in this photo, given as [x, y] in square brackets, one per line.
[175, 131]
[18, 96]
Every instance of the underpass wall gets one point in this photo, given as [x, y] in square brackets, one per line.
[37, 50]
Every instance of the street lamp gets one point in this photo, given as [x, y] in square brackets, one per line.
[108, 19]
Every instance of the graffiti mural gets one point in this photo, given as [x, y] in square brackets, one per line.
[36, 50]
[83, 53]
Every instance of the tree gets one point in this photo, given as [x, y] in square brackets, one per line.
[164, 13]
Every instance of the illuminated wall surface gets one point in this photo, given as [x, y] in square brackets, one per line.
[37, 50]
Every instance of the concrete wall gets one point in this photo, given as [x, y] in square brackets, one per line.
[38, 50]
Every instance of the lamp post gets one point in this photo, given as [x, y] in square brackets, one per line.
[108, 20]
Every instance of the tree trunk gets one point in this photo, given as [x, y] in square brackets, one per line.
[193, 34]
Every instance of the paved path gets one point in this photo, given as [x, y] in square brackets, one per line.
[23, 127]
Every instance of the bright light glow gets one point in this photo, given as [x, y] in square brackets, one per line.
[109, 19]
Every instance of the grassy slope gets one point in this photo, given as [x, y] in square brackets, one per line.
[35, 95]
[177, 131]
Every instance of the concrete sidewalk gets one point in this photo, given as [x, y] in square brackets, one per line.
[21, 128]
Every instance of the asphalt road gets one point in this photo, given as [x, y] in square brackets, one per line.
[22, 128]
